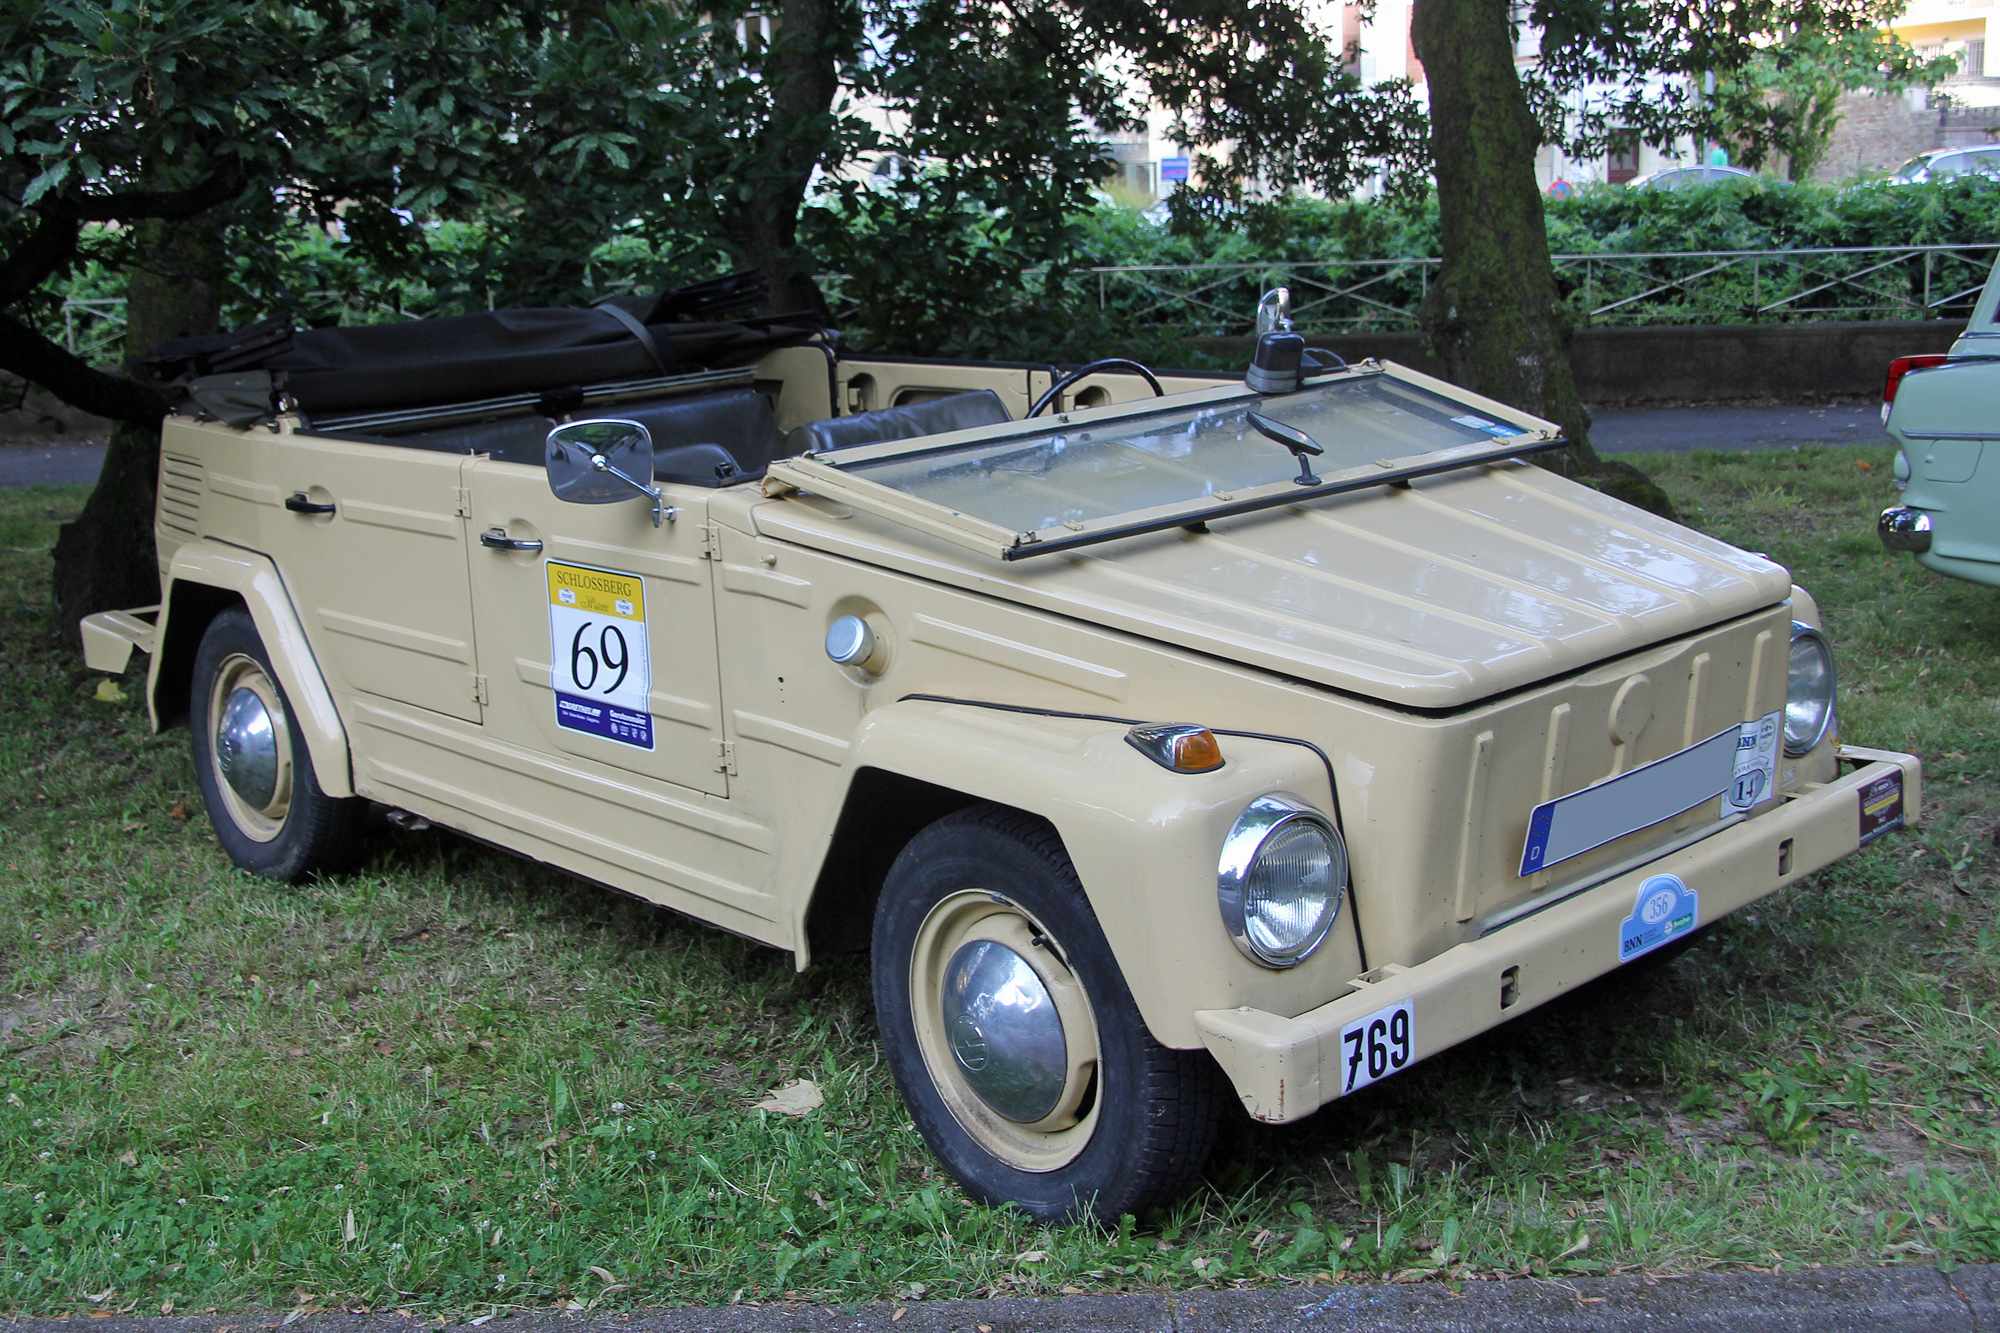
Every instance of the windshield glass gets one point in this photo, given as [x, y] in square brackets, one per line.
[1065, 476]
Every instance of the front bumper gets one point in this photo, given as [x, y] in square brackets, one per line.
[1287, 1068]
[1902, 528]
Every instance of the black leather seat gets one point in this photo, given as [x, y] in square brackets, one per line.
[704, 438]
[960, 411]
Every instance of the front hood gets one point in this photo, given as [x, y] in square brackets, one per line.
[1461, 587]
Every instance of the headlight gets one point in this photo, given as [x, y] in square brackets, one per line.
[1809, 693]
[1282, 877]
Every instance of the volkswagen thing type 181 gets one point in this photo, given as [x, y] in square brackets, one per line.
[1165, 737]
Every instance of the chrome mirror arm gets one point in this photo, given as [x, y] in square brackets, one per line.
[602, 464]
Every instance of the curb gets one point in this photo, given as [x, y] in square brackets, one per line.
[1909, 1299]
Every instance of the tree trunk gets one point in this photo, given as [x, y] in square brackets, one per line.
[763, 221]
[105, 558]
[1493, 316]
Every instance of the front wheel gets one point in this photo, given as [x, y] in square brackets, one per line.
[1013, 1037]
[256, 777]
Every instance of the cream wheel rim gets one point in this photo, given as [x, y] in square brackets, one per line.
[988, 985]
[250, 747]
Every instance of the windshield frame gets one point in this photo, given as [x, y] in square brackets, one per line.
[834, 474]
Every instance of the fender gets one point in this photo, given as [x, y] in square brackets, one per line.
[1145, 843]
[255, 579]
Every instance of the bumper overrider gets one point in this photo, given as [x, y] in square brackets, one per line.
[1902, 528]
[1287, 1068]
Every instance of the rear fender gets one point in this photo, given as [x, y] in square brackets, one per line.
[1145, 843]
[205, 577]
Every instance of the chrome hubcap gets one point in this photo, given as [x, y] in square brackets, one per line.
[1005, 1033]
[246, 748]
[250, 748]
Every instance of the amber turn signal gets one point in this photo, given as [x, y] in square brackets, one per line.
[1181, 746]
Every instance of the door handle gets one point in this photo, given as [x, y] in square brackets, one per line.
[299, 504]
[498, 539]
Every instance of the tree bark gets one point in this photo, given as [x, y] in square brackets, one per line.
[763, 220]
[1493, 316]
[105, 557]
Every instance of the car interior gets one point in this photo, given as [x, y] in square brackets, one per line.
[714, 438]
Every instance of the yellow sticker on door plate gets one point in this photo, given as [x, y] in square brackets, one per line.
[600, 668]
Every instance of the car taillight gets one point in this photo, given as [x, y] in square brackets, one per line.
[1902, 366]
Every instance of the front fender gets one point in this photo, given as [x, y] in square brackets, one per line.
[1145, 843]
[255, 579]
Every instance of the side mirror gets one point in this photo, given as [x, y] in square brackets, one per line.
[601, 462]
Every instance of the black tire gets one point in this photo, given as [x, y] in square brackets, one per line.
[300, 830]
[1146, 1115]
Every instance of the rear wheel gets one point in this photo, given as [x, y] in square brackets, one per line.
[1013, 1037]
[256, 777]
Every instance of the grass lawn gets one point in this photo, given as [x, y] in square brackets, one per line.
[458, 1082]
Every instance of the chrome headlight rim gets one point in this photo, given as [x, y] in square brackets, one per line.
[1261, 821]
[1803, 632]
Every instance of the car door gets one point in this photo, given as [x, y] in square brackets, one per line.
[597, 629]
[373, 551]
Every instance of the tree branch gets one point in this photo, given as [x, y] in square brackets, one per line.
[28, 354]
[47, 251]
[131, 205]
[52, 245]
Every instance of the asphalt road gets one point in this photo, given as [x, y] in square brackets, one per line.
[49, 464]
[1908, 1299]
[1679, 430]
[1618, 431]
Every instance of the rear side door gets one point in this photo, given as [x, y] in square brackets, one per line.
[373, 548]
[597, 630]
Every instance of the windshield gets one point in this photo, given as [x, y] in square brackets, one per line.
[1063, 477]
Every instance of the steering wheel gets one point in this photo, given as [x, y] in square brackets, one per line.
[1080, 372]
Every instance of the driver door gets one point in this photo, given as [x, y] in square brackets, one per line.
[596, 631]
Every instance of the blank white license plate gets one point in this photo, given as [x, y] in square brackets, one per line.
[1738, 763]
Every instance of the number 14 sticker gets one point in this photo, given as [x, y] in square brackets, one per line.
[1377, 1046]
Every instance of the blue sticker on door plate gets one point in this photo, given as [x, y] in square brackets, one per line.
[1666, 910]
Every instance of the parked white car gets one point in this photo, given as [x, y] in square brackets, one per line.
[1944, 163]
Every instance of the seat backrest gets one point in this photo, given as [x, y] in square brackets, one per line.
[701, 438]
[935, 416]
[739, 420]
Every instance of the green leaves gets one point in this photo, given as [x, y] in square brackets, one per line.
[450, 109]
[1616, 72]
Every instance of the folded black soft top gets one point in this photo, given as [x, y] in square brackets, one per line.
[461, 358]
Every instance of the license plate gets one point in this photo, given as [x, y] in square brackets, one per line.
[1738, 764]
[1377, 1046]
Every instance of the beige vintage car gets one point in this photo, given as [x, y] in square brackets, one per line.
[1193, 735]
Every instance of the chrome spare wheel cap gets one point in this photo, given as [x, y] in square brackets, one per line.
[246, 748]
[1005, 1034]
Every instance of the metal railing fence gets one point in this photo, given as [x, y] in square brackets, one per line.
[1647, 287]
[94, 327]
[1375, 295]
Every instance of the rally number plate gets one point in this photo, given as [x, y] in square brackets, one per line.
[1377, 1046]
[600, 668]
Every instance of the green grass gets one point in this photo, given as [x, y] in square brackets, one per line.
[458, 1082]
